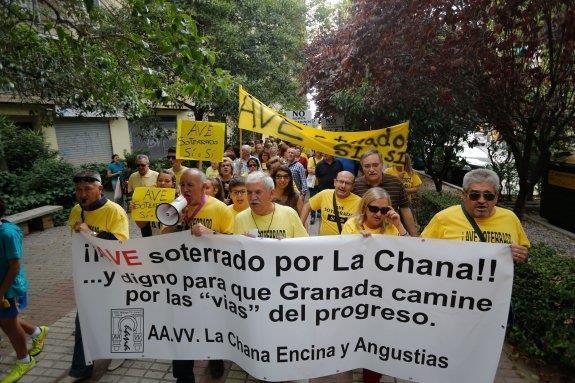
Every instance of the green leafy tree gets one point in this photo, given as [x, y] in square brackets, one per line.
[105, 59]
[260, 43]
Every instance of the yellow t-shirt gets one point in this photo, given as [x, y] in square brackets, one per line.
[324, 201]
[179, 174]
[110, 217]
[408, 180]
[311, 164]
[211, 172]
[234, 211]
[502, 227]
[135, 180]
[283, 222]
[352, 226]
[214, 215]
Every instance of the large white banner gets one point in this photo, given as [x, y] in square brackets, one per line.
[417, 309]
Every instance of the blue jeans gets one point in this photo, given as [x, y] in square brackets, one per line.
[79, 368]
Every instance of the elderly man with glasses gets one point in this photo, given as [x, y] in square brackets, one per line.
[477, 219]
[102, 218]
[143, 177]
[336, 205]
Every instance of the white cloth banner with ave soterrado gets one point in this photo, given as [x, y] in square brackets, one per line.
[417, 309]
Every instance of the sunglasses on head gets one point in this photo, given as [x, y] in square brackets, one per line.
[475, 195]
[375, 209]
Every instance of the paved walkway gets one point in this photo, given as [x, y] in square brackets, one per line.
[51, 301]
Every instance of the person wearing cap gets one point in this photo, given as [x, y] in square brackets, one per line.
[143, 177]
[94, 215]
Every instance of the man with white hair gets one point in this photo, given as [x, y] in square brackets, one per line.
[241, 163]
[477, 219]
[264, 218]
[297, 171]
[143, 177]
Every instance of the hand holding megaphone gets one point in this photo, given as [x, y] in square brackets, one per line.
[169, 213]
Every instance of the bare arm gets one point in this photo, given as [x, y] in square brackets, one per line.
[13, 268]
[304, 213]
[409, 221]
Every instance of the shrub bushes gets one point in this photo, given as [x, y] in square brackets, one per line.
[432, 202]
[544, 306]
[543, 295]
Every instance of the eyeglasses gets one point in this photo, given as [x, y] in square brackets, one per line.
[375, 209]
[252, 166]
[344, 182]
[475, 195]
[282, 177]
[239, 192]
[171, 157]
[141, 165]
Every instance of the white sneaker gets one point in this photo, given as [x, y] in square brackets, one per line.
[115, 364]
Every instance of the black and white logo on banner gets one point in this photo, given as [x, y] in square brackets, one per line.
[127, 330]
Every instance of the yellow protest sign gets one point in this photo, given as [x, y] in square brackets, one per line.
[391, 142]
[200, 140]
[145, 200]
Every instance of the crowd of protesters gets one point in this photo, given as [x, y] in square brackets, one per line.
[267, 189]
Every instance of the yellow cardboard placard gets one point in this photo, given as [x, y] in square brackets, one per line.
[391, 142]
[145, 200]
[561, 179]
[200, 140]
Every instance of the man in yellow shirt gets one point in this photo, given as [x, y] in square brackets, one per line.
[495, 224]
[264, 218]
[143, 177]
[204, 215]
[97, 216]
[347, 204]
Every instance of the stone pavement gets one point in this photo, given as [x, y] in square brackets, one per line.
[51, 301]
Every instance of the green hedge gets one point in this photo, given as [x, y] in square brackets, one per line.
[544, 306]
[543, 295]
[430, 202]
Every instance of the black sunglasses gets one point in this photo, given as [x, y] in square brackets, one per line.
[171, 157]
[141, 165]
[375, 209]
[475, 195]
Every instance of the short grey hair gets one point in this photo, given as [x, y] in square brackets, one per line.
[371, 153]
[143, 157]
[479, 176]
[262, 177]
[195, 172]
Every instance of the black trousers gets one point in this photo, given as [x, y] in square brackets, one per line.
[183, 369]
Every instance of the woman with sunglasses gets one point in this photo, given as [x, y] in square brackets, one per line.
[285, 191]
[375, 216]
[253, 165]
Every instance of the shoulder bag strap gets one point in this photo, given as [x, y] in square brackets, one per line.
[336, 212]
[473, 224]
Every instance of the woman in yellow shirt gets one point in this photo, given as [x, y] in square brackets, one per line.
[375, 216]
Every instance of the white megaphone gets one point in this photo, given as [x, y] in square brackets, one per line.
[169, 213]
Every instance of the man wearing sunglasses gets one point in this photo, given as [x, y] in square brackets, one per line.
[495, 224]
[102, 218]
[143, 177]
[177, 166]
